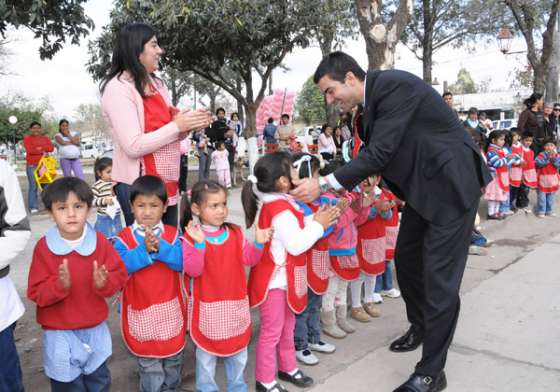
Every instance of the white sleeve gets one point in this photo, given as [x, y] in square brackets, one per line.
[292, 237]
[14, 226]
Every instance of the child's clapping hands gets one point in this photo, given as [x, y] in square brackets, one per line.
[151, 241]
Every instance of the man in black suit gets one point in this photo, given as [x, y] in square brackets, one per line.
[427, 159]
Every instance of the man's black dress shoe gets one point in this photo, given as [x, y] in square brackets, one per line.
[421, 383]
[298, 379]
[408, 342]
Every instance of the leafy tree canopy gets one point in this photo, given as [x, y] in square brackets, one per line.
[310, 104]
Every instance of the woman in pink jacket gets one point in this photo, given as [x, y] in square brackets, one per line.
[145, 127]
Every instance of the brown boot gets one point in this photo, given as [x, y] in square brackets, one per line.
[359, 314]
[329, 327]
[372, 310]
[342, 321]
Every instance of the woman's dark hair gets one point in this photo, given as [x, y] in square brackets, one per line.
[199, 192]
[286, 115]
[498, 133]
[336, 65]
[234, 114]
[100, 165]
[324, 127]
[268, 170]
[33, 123]
[314, 164]
[63, 121]
[126, 55]
[59, 190]
[335, 128]
[529, 102]
[148, 186]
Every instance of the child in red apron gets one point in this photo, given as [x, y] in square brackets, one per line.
[548, 163]
[219, 320]
[307, 335]
[516, 169]
[498, 190]
[384, 282]
[278, 283]
[154, 299]
[371, 249]
[529, 172]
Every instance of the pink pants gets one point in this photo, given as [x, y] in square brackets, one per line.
[276, 337]
[224, 177]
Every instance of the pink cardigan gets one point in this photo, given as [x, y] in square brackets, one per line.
[123, 111]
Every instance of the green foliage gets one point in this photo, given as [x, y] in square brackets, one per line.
[464, 83]
[52, 21]
[25, 112]
[310, 104]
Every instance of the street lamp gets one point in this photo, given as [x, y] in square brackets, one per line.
[505, 37]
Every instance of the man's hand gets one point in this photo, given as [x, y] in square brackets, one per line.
[307, 189]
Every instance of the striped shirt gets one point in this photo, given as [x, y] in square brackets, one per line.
[101, 189]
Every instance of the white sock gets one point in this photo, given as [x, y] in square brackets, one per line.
[268, 385]
[293, 372]
[369, 288]
[493, 207]
[356, 291]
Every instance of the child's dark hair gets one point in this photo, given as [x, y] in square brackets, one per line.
[219, 144]
[148, 186]
[314, 164]
[548, 141]
[498, 133]
[59, 190]
[330, 167]
[100, 165]
[527, 135]
[33, 123]
[199, 192]
[268, 170]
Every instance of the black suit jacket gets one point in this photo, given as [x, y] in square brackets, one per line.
[417, 143]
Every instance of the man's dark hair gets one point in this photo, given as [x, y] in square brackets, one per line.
[33, 123]
[336, 65]
[220, 110]
[59, 190]
[148, 186]
[447, 93]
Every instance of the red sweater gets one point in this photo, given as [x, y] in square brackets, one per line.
[35, 147]
[82, 305]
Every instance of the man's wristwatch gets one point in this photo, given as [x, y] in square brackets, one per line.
[324, 184]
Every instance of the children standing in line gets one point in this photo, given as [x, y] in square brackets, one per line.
[371, 250]
[221, 164]
[384, 282]
[278, 284]
[220, 322]
[529, 174]
[307, 335]
[516, 169]
[72, 272]
[548, 163]
[497, 191]
[105, 200]
[153, 302]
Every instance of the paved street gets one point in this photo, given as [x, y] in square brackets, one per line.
[507, 339]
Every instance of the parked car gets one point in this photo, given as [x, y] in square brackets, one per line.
[507, 123]
[89, 151]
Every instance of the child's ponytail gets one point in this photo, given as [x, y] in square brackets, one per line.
[249, 201]
[185, 213]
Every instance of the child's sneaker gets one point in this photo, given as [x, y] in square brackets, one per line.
[377, 298]
[393, 293]
[551, 214]
[307, 357]
[372, 310]
[359, 314]
[322, 347]
[540, 216]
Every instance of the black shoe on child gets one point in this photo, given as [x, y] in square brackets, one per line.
[299, 379]
[275, 388]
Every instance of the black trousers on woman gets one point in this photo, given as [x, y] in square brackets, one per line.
[430, 261]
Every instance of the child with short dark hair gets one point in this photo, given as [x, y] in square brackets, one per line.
[74, 269]
[154, 300]
[516, 169]
[529, 172]
[220, 319]
[548, 163]
[108, 220]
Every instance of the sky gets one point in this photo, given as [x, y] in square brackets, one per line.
[66, 83]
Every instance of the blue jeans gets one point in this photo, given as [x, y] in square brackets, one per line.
[545, 203]
[107, 226]
[160, 374]
[206, 371]
[98, 381]
[308, 328]
[10, 370]
[505, 206]
[385, 280]
[204, 164]
[122, 191]
[32, 202]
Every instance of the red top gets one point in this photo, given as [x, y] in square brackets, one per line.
[82, 305]
[35, 147]
[164, 162]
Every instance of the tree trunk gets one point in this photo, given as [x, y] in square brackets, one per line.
[251, 123]
[553, 73]
[381, 40]
[427, 41]
[427, 63]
